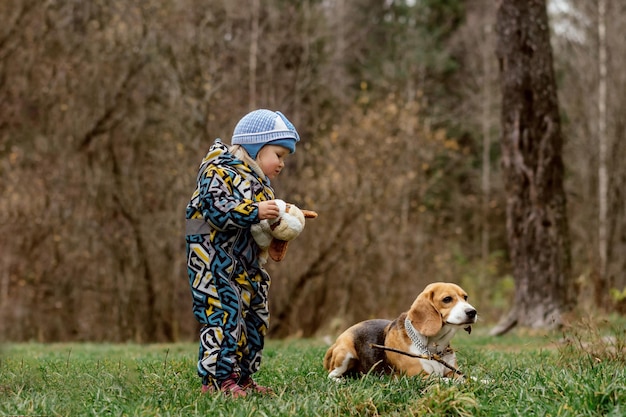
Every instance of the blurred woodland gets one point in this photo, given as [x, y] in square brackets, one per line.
[108, 106]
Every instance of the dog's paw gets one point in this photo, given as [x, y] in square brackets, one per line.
[336, 379]
[482, 381]
[456, 380]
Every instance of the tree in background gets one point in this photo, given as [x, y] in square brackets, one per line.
[532, 145]
[591, 54]
[475, 114]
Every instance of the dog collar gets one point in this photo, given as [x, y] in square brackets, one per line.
[415, 337]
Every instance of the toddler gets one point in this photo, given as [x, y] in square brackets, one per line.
[225, 264]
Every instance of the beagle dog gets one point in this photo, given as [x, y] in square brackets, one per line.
[422, 336]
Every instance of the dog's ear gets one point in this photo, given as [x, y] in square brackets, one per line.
[424, 316]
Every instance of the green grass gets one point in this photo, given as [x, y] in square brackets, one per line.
[529, 375]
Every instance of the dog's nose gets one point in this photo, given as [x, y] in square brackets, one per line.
[470, 312]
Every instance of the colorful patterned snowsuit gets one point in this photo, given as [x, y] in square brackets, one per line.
[228, 284]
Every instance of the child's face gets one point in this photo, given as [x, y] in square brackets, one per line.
[271, 159]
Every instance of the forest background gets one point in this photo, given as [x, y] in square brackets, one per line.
[108, 106]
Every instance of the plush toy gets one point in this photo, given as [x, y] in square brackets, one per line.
[287, 226]
[275, 234]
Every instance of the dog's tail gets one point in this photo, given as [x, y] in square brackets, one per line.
[328, 358]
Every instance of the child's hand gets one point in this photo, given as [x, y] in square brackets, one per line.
[268, 210]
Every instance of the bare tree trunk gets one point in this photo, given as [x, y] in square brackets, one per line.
[531, 140]
[486, 160]
[601, 284]
[254, 51]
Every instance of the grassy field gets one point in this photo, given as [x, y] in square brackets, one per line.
[579, 372]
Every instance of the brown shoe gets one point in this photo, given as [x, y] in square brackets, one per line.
[231, 388]
[208, 389]
[249, 385]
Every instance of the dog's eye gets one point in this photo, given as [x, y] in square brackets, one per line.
[465, 297]
[448, 299]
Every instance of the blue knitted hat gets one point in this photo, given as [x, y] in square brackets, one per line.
[261, 127]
